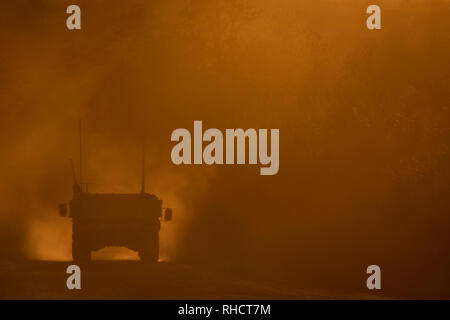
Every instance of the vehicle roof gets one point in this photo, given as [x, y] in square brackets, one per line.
[124, 196]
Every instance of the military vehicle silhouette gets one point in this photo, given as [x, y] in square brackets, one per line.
[100, 220]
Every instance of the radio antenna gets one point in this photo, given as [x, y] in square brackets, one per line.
[81, 158]
[76, 186]
[143, 167]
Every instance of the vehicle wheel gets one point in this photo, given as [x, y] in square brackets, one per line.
[81, 254]
[80, 246]
[150, 252]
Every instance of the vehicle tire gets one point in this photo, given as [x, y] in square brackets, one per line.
[80, 246]
[150, 252]
[80, 254]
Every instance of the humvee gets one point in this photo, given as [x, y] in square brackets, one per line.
[101, 220]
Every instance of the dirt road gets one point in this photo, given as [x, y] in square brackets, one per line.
[136, 280]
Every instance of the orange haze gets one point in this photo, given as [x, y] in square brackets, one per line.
[363, 118]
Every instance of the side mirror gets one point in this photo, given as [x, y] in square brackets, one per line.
[63, 210]
[168, 214]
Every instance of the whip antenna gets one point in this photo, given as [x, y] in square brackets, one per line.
[81, 158]
[143, 167]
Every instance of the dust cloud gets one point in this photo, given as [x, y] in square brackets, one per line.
[363, 118]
